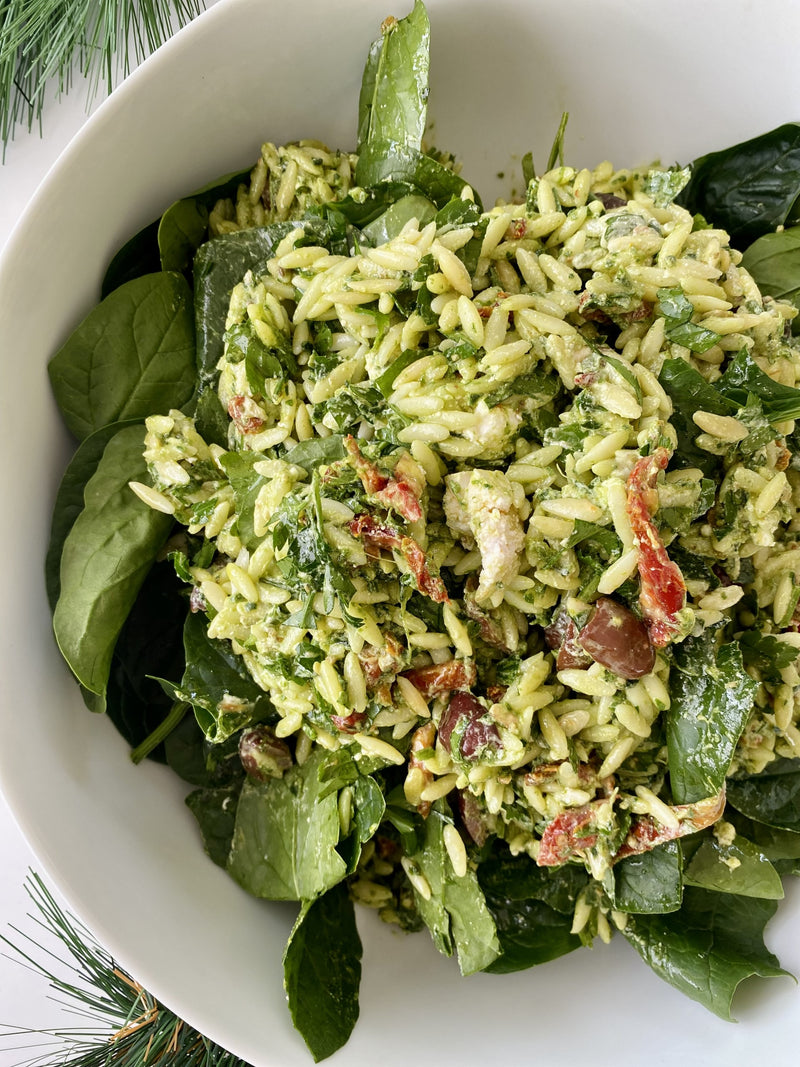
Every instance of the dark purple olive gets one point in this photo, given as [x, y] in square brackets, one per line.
[475, 733]
[609, 201]
[615, 637]
[263, 755]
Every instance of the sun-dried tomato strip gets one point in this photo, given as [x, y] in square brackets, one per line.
[394, 493]
[646, 832]
[663, 590]
[443, 677]
[381, 535]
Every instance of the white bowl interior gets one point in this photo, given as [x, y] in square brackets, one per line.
[641, 80]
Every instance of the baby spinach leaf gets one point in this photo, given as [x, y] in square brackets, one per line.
[774, 262]
[735, 868]
[69, 501]
[149, 643]
[471, 922]
[529, 933]
[751, 188]
[456, 912]
[393, 102]
[107, 554]
[369, 807]
[284, 843]
[712, 697]
[771, 797]
[387, 161]
[132, 356]
[182, 230]
[137, 256]
[322, 972]
[707, 948]
[184, 225]
[219, 265]
[215, 811]
[198, 761]
[651, 883]
[217, 684]
[532, 908]
[390, 223]
[210, 417]
[743, 379]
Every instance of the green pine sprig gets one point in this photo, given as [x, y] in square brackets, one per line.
[46, 42]
[125, 1025]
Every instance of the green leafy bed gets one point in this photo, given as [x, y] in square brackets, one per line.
[696, 909]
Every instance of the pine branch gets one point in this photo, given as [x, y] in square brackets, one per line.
[44, 42]
[127, 1027]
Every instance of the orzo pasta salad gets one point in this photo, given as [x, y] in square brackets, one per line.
[452, 554]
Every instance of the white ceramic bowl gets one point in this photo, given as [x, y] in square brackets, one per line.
[641, 79]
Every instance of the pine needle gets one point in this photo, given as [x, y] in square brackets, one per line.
[46, 42]
[125, 1027]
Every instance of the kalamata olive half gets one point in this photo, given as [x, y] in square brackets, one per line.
[475, 734]
[263, 755]
[615, 637]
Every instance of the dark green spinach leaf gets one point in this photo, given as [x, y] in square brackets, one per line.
[215, 811]
[781, 847]
[649, 884]
[69, 501]
[707, 948]
[768, 653]
[529, 933]
[137, 256]
[712, 698]
[735, 868]
[456, 912]
[774, 262]
[532, 908]
[149, 644]
[132, 356]
[387, 161]
[393, 102]
[322, 972]
[184, 225]
[284, 844]
[751, 188]
[677, 311]
[217, 684]
[107, 555]
[219, 265]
